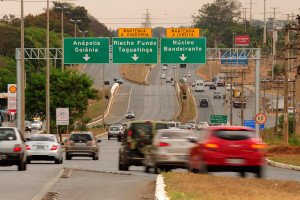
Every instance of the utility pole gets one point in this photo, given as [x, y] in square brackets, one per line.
[265, 24]
[242, 100]
[231, 108]
[251, 3]
[298, 77]
[21, 111]
[245, 18]
[48, 76]
[286, 77]
[103, 94]
[273, 55]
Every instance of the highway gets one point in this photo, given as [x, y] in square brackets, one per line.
[100, 179]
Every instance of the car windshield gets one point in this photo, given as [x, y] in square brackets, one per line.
[80, 137]
[141, 129]
[35, 122]
[234, 134]
[161, 126]
[203, 100]
[170, 125]
[130, 112]
[114, 128]
[27, 123]
[7, 134]
[42, 138]
[182, 127]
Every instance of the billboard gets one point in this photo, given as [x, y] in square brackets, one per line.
[242, 40]
[239, 59]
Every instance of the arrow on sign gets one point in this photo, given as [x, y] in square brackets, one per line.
[134, 57]
[182, 57]
[86, 58]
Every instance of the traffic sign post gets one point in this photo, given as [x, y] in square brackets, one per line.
[249, 123]
[260, 118]
[86, 50]
[183, 50]
[62, 116]
[135, 50]
[218, 119]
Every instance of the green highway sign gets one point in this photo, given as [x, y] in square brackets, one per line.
[86, 50]
[218, 119]
[135, 50]
[183, 50]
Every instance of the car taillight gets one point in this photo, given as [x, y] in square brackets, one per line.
[92, 143]
[163, 144]
[54, 147]
[211, 146]
[257, 146]
[68, 142]
[27, 147]
[129, 133]
[120, 133]
[17, 148]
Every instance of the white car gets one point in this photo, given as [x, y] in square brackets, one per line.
[174, 67]
[163, 76]
[207, 83]
[228, 88]
[202, 125]
[165, 67]
[36, 124]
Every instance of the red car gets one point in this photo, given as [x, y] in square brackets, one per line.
[228, 148]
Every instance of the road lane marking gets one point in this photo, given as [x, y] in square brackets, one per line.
[129, 99]
[48, 186]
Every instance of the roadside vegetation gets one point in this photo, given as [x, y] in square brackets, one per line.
[183, 186]
[188, 107]
[135, 72]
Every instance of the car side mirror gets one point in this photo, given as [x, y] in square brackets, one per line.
[99, 141]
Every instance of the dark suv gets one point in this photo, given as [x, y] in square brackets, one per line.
[137, 135]
[82, 144]
[12, 148]
[203, 103]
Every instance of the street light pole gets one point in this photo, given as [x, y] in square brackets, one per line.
[83, 32]
[62, 34]
[21, 111]
[48, 77]
[75, 22]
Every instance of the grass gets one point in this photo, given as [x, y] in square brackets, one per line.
[98, 131]
[183, 186]
[95, 107]
[187, 114]
[205, 69]
[287, 159]
[135, 72]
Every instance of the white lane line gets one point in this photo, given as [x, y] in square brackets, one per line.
[48, 186]
[129, 99]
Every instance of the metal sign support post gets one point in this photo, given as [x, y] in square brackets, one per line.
[19, 86]
[257, 87]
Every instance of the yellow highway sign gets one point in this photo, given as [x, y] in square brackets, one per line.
[135, 32]
[183, 32]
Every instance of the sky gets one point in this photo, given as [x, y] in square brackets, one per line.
[165, 13]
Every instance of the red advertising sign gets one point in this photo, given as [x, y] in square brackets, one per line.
[242, 40]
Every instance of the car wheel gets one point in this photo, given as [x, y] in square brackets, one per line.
[147, 169]
[56, 161]
[68, 157]
[21, 165]
[258, 172]
[203, 169]
[243, 174]
[61, 160]
[156, 169]
[108, 137]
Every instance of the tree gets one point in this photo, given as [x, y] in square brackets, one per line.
[217, 16]
[68, 89]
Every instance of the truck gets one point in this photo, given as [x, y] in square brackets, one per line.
[220, 79]
[238, 94]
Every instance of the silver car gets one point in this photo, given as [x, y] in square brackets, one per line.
[114, 131]
[169, 150]
[12, 148]
[36, 124]
[44, 147]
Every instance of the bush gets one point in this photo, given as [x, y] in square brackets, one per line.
[290, 119]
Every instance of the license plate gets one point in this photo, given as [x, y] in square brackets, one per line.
[40, 147]
[235, 161]
[2, 157]
[79, 144]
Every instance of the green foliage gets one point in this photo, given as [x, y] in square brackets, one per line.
[278, 70]
[217, 16]
[82, 124]
[67, 90]
[7, 73]
[290, 120]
